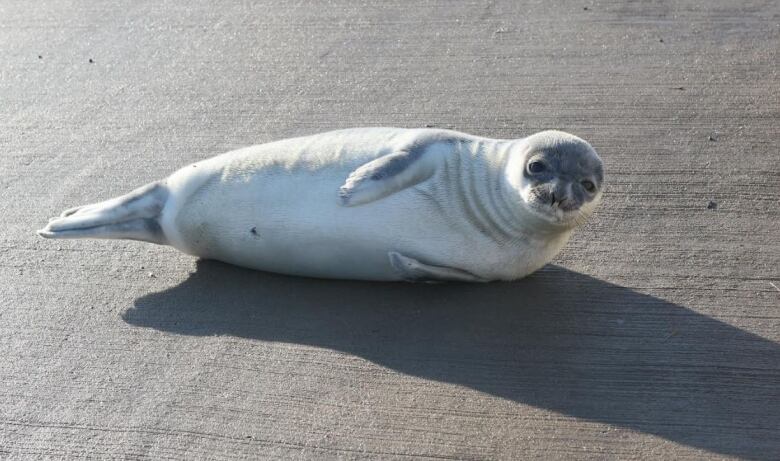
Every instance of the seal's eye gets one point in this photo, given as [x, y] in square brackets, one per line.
[588, 185]
[535, 167]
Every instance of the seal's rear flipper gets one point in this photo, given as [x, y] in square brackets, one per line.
[132, 216]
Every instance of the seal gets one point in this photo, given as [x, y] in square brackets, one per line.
[384, 204]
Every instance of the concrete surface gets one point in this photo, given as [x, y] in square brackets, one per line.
[654, 335]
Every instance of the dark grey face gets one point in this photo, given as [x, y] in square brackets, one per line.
[562, 178]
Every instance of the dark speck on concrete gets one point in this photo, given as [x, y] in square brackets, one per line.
[253, 231]
[661, 40]
[678, 88]
[91, 61]
[585, 8]
[40, 56]
[712, 205]
[710, 138]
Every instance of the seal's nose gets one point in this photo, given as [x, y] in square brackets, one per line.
[559, 194]
[562, 197]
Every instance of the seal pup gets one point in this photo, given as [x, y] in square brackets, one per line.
[367, 203]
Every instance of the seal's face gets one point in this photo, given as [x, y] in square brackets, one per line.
[562, 178]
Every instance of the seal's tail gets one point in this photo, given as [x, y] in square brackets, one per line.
[133, 216]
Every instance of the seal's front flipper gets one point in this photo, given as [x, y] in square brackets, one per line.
[132, 216]
[388, 174]
[413, 270]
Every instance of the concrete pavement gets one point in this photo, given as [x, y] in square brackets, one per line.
[653, 335]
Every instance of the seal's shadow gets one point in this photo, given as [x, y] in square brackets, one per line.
[558, 340]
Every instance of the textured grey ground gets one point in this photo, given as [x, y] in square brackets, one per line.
[655, 333]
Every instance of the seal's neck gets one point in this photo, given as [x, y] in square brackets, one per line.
[492, 201]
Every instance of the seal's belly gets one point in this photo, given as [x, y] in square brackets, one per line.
[295, 224]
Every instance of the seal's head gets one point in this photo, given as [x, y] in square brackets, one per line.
[559, 177]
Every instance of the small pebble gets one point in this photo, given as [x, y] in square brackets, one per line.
[661, 40]
[91, 61]
[151, 275]
[710, 138]
[40, 56]
[712, 205]
[585, 8]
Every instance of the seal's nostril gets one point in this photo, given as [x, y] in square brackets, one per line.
[553, 198]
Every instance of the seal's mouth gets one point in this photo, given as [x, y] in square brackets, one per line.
[557, 215]
[558, 209]
[567, 216]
